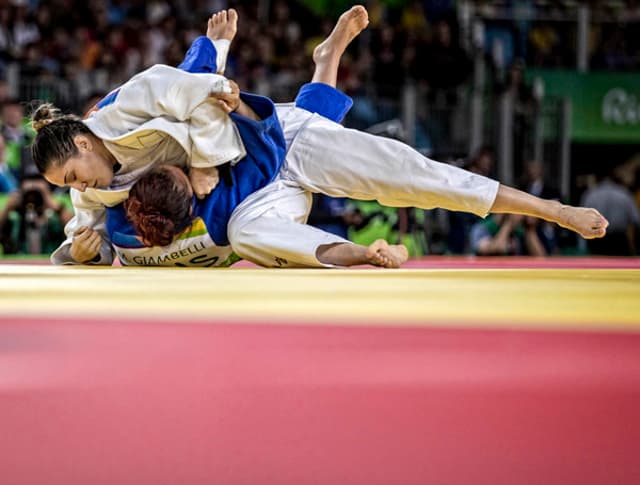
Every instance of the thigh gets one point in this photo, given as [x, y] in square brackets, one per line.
[327, 158]
[269, 228]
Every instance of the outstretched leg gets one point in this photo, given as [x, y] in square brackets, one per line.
[268, 229]
[327, 54]
[589, 223]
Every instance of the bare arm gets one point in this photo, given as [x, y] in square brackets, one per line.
[246, 111]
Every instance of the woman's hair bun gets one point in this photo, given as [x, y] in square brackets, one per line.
[43, 115]
[156, 229]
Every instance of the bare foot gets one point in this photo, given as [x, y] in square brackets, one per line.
[223, 25]
[349, 25]
[381, 253]
[589, 223]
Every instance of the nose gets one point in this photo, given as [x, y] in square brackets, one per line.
[81, 186]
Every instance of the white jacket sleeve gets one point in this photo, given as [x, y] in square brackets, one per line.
[163, 91]
[167, 91]
[90, 212]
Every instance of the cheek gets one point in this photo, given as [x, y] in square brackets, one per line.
[54, 177]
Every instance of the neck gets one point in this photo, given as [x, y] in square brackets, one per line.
[102, 150]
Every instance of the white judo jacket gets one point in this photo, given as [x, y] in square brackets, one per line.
[159, 102]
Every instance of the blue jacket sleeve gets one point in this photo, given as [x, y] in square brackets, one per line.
[325, 100]
[201, 57]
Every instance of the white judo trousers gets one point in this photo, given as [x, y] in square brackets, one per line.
[269, 227]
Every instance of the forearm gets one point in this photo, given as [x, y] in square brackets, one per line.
[245, 110]
[62, 255]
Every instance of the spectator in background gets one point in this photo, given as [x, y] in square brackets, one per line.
[613, 53]
[7, 180]
[414, 20]
[444, 65]
[441, 67]
[615, 202]
[460, 223]
[534, 183]
[525, 106]
[388, 69]
[17, 137]
[483, 162]
[4, 91]
[545, 46]
[506, 235]
[32, 221]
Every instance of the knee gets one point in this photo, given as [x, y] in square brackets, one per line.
[239, 235]
[243, 237]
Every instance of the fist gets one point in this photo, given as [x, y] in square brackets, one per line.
[86, 245]
[203, 180]
[228, 102]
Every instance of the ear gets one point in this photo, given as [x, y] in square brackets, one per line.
[83, 143]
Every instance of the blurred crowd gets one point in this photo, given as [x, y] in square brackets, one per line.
[543, 33]
[72, 51]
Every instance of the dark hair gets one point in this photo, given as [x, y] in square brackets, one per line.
[54, 144]
[158, 207]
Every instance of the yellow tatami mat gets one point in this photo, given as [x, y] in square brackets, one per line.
[575, 298]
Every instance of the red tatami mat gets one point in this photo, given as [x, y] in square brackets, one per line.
[463, 262]
[507, 262]
[522, 262]
[100, 402]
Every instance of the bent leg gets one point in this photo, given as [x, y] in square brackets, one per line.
[209, 54]
[273, 241]
[327, 54]
[268, 229]
[324, 100]
[320, 96]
